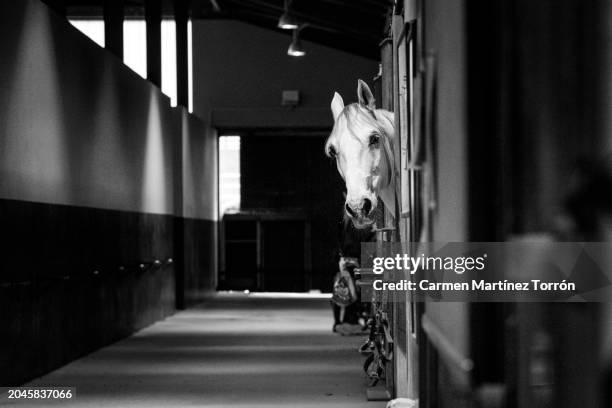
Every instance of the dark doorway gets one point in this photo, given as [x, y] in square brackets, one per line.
[285, 235]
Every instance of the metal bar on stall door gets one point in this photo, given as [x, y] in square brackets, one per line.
[259, 251]
[307, 256]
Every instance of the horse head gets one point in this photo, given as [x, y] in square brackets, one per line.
[361, 142]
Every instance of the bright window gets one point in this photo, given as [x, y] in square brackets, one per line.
[190, 66]
[229, 174]
[93, 29]
[168, 45]
[135, 46]
[135, 49]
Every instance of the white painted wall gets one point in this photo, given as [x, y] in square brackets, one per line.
[78, 127]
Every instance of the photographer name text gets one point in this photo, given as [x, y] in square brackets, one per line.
[474, 285]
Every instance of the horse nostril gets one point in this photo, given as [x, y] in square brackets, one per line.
[350, 211]
[367, 206]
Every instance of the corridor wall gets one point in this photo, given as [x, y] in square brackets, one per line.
[91, 188]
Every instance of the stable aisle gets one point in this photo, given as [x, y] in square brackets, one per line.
[233, 351]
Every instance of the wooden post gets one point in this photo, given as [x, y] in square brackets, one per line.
[153, 17]
[113, 27]
[181, 16]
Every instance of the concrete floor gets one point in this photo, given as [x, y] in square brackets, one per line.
[233, 351]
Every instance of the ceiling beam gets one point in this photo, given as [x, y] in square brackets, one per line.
[354, 26]
[357, 31]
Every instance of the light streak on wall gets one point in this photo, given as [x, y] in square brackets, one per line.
[34, 161]
[154, 195]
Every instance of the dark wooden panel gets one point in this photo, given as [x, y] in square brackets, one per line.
[283, 256]
[200, 259]
[54, 307]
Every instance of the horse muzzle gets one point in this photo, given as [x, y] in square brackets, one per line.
[360, 212]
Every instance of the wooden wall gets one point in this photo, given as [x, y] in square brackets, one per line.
[522, 93]
[444, 37]
[73, 282]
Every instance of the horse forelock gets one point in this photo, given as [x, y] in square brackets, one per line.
[353, 118]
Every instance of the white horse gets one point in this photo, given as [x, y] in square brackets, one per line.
[361, 141]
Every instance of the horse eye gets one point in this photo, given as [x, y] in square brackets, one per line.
[331, 152]
[374, 139]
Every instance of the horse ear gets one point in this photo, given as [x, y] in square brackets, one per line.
[365, 95]
[337, 105]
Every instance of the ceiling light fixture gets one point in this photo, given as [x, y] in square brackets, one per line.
[287, 20]
[295, 48]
